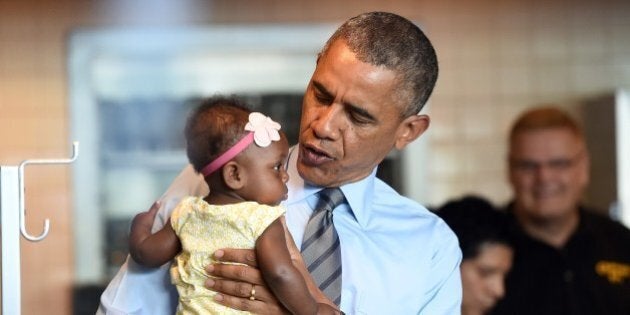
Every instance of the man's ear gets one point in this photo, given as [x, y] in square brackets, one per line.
[233, 175]
[410, 129]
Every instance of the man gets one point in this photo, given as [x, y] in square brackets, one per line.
[568, 260]
[371, 79]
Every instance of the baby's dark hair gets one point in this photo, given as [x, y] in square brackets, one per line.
[476, 222]
[213, 127]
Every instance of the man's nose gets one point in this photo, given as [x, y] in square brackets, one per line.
[543, 172]
[326, 126]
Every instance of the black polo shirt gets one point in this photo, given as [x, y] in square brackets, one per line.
[589, 276]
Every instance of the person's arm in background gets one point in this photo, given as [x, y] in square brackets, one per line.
[139, 290]
[283, 278]
[152, 250]
[445, 276]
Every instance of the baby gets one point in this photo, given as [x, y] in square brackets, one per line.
[242, 156]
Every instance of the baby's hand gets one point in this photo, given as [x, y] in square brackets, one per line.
[152, 250]
[140, 230]
[143, 221]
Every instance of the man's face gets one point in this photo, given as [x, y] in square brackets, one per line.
[548, 172]
[350, 119]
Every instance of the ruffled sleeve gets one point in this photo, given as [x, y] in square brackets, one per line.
[263, 217]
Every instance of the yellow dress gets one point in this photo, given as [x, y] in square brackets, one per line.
[203, 228]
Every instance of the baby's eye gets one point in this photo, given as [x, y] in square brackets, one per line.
[277, 167]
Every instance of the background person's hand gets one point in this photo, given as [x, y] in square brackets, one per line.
[236, 283]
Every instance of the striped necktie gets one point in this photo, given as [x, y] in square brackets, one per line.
[320, 245]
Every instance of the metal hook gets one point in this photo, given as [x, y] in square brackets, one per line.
[75, 154]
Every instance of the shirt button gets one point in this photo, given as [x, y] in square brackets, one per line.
[568, 275]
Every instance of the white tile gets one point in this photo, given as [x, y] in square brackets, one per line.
[515, 80]
[478, 120]
[592, 78]
[551, 80]
[445, 161]
[444, 120]
[550, 42]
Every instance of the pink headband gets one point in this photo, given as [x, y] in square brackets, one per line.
[228, 155]
[263, 131]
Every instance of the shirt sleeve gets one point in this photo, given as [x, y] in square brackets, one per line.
[264, 216]
[445, 274]
[187, 183]
[180, 214]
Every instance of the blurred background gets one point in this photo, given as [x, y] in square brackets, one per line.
[119, 76]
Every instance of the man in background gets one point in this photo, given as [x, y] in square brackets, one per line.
[568, 260]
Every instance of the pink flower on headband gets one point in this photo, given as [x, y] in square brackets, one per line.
[265, 130]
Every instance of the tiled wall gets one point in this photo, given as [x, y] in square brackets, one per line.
[497, 58]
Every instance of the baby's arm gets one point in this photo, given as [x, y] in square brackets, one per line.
[284, 279]
[298, 262]
[152, 250]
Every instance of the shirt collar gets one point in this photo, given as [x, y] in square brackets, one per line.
[359, 194]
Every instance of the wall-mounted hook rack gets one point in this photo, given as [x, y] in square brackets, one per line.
[75, 153]
[13, 222]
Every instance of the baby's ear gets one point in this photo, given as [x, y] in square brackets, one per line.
[233, 175]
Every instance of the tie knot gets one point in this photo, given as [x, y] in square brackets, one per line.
[330, 198]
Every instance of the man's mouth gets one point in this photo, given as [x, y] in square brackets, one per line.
[546, 192]
[313, 156]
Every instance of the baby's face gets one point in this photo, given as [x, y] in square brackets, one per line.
[266, 173]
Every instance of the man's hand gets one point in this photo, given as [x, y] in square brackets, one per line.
[241, 286]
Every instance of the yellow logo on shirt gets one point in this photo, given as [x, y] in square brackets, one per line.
[615, 272]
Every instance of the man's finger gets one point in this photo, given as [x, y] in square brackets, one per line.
[235, 255]
[240, 289]
[236, 272]
[253, 306]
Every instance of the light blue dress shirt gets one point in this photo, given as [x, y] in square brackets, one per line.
[397, 257]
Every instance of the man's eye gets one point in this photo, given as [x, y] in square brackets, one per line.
[526, 165]
[324, 99]
[359, 119]
[560, 164]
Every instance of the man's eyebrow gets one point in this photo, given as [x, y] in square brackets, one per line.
[360, 111]
[351, 107]
[321, 88]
